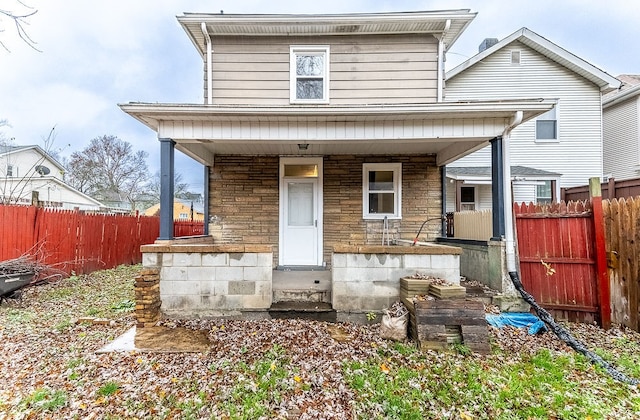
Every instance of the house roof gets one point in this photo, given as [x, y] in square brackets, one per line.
[9, 149]
[630, 87]
[548, 49]
[425, 22]
[485, 172]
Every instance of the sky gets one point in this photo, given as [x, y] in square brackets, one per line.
[94, 55]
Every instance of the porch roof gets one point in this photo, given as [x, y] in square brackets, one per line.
[449, 130]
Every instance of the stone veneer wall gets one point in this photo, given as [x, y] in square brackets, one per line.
[343, 222]
[244, 200]
[211, 280]
[147, 293]
[367, 278]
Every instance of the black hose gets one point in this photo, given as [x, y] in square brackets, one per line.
[566, 336]
[422, 225]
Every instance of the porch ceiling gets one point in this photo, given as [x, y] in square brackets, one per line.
[448, 130]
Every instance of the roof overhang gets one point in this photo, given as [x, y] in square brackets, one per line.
[449, 130]
[621, 96]
[428, 22]
[603, 80]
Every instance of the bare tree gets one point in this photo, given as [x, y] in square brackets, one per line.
[109, 170]
[20, 20]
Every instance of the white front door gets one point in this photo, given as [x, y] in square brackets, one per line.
[300, 222]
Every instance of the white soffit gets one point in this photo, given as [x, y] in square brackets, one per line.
[428, 22]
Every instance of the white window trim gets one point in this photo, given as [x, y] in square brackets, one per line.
[535, 128]
[397, 188]
[475, 197]
[293, 51]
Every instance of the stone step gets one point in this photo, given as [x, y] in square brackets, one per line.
[318, 311]
[301, 295]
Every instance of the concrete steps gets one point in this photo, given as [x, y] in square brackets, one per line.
[318, 311]
[302, 294]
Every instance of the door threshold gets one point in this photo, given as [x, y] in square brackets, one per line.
[301, 268]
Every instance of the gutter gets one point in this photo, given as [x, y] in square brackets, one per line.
[207, 38]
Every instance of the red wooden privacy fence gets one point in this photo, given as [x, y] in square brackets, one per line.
[187, 228]
[74, 241]
[558, 261]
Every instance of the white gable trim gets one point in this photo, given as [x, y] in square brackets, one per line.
[550, 50]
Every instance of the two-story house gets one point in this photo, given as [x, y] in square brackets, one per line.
[321, 135]
[621, 113]
[25, 170]
[560, 148]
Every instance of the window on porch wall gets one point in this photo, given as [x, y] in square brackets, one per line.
[382, 190]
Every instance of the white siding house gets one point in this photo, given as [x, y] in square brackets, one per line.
[566, 141]
[621, 115]
[28, 169]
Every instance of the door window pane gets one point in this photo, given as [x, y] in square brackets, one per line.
[300, 206]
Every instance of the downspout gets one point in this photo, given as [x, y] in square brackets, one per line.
[510, 248]
[440, 88]
[207, 38]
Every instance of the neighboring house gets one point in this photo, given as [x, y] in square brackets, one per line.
[621, 115]
[28, 169]
[561, 148]
[469, 187]
[181, 211]
[320, 135]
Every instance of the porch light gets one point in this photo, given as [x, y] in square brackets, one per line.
[303, 146]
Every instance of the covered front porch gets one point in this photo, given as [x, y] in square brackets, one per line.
[276, 174]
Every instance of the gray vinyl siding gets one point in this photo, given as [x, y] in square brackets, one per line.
[621, 140]
[363, 69]
[577, 154]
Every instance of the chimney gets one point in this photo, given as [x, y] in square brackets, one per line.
[487, 43]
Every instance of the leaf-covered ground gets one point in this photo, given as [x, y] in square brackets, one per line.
[288, 369]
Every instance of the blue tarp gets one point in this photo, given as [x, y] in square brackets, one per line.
[517, 319]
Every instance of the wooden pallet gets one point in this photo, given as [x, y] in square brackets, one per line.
[436, 324]
[410, 287]
[447, 292]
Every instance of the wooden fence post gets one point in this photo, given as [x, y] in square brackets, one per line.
[604, 294]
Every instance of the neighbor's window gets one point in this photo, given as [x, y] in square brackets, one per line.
[10, 171]
[382, 189]
[467, 198]
[183, 216]
[309, 74]
[547, 126]
[543, 192]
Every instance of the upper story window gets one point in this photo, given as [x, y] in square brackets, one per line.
[547, 126]
[12, 171]
[382, 190]
[309, 72]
